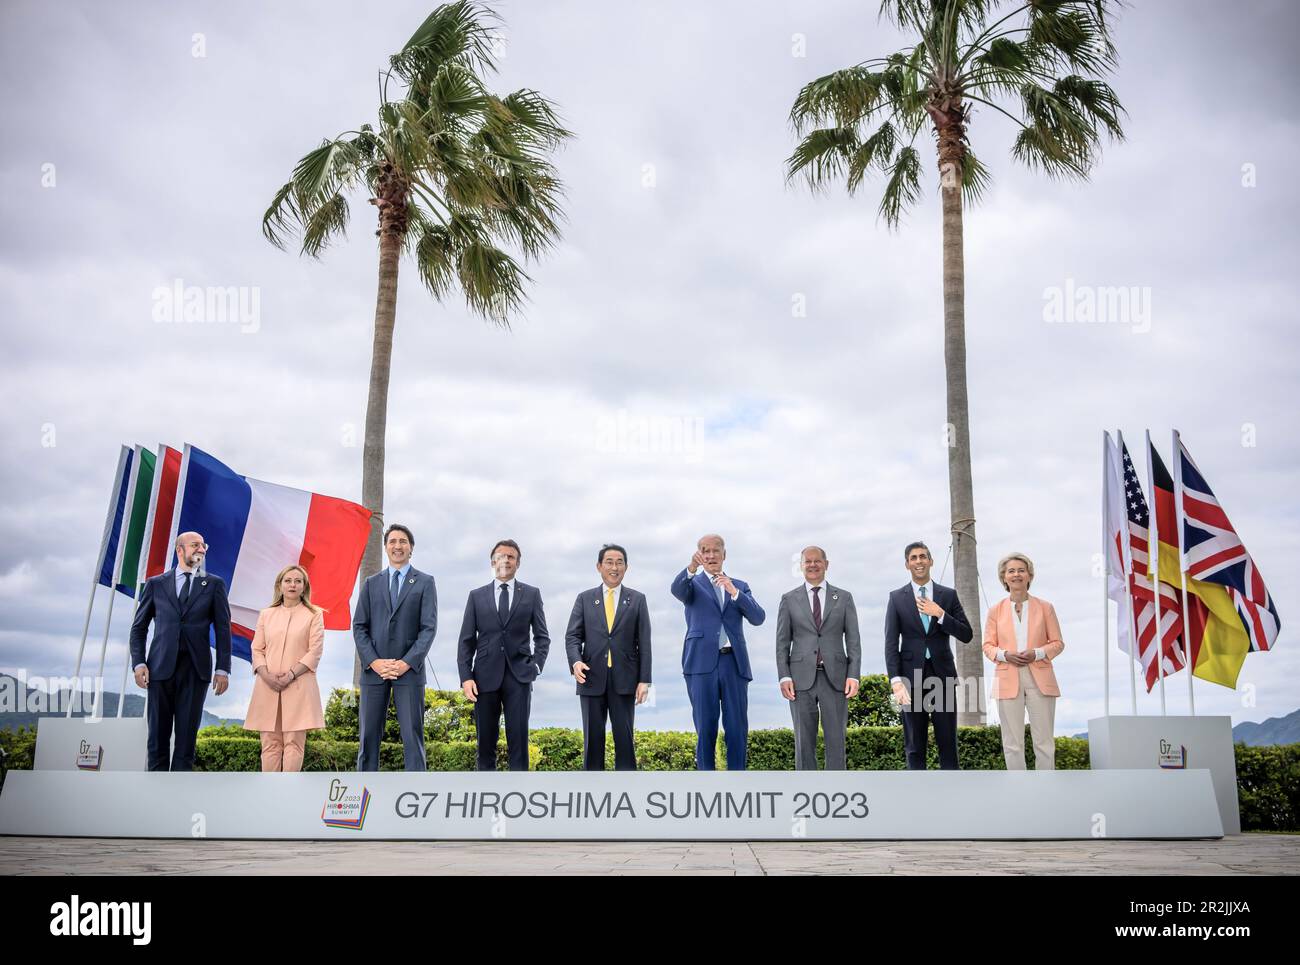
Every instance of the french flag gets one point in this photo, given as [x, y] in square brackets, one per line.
[254, 529]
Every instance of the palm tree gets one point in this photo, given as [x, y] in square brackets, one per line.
[1043, 60]
[457, 175]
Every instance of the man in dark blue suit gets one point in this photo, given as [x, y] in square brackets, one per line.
[715, 660]
[393, 629]
[186, 608]
[497, 663]
[608, 646]
[919, 619]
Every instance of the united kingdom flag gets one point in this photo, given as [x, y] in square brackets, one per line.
[1213, 553]
[1142, 588]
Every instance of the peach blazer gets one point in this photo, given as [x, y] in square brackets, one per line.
[1000, 634]
[287, 636]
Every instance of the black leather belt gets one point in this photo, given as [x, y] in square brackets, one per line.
[725, 650]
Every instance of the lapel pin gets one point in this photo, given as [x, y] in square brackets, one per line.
[411, 580]
[203, 583]
[835, 596]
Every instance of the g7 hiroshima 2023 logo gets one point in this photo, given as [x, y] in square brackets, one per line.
[345, 808]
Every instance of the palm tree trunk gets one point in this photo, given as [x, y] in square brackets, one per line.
[372, 458]
[970, 662]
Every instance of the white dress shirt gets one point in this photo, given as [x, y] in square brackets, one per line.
[1021, 623]
[510, 592]
[916, 594]
[180, 585]
[808, 590]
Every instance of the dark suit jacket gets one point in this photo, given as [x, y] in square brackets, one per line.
[206, 609]
[906, 639]
[407, 633]
[487, 647]
[705, 621]
[589, 639]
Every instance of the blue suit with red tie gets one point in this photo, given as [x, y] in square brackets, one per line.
[715, 662]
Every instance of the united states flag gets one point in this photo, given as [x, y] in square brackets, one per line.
[1140, 585]
[1214, 554]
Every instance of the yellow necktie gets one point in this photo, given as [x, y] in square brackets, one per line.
[609, 622]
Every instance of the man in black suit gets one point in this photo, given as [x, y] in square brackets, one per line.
[608, 646]
[497, 663]
[183, 605]
[393, 628]
[919, 619]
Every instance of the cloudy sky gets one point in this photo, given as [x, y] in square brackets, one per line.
[662, 382]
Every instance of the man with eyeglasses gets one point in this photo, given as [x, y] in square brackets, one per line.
[186, 607]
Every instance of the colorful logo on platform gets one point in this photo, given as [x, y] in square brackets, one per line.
[345, 808]
[89, 756]
[1171, 757]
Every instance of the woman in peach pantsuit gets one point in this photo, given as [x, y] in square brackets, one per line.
[286, 651]
[1022, 637]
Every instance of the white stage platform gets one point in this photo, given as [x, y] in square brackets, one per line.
[644, 805]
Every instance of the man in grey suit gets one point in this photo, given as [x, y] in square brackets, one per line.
[608, 646]
[394, 626]
[819, 658]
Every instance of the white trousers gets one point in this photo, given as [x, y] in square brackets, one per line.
[1042, 721]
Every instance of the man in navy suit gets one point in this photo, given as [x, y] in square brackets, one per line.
[497, 663]
[919, 619]
[715, 659]
[608, 646]
[393, 628]
[185, 607]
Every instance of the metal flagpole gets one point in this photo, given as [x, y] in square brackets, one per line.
[117, 574]
[142, 568]
[1154, 531]
[94, 580]
[1126, 560]
[1182, 566]
[1106, 483]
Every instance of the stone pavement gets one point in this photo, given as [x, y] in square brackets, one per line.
[1247, 854]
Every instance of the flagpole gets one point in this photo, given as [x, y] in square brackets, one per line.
[1126, 560]
[1154, 530]
[117, 572]
[1182, 566]
[1106, 483]
[142, 567]
[1134, 657]
[94, 580]
[85, 630]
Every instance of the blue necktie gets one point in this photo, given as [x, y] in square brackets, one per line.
[503, 605]
[925, 622]
[397, 583]
[722, 605]
[185, 590]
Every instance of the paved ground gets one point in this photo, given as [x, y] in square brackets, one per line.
[1248, 854]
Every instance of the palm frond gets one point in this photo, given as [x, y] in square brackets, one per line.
[903, 188]
[822, 155]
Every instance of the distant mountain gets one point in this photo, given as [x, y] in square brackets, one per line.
[11, 719]
[1275, 730]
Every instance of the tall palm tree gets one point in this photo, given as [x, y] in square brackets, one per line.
[1039, 63]
[457, 175]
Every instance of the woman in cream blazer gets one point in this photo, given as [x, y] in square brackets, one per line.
[286, 651]
[1022, 638]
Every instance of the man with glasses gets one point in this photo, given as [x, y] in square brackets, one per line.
[186, 607]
